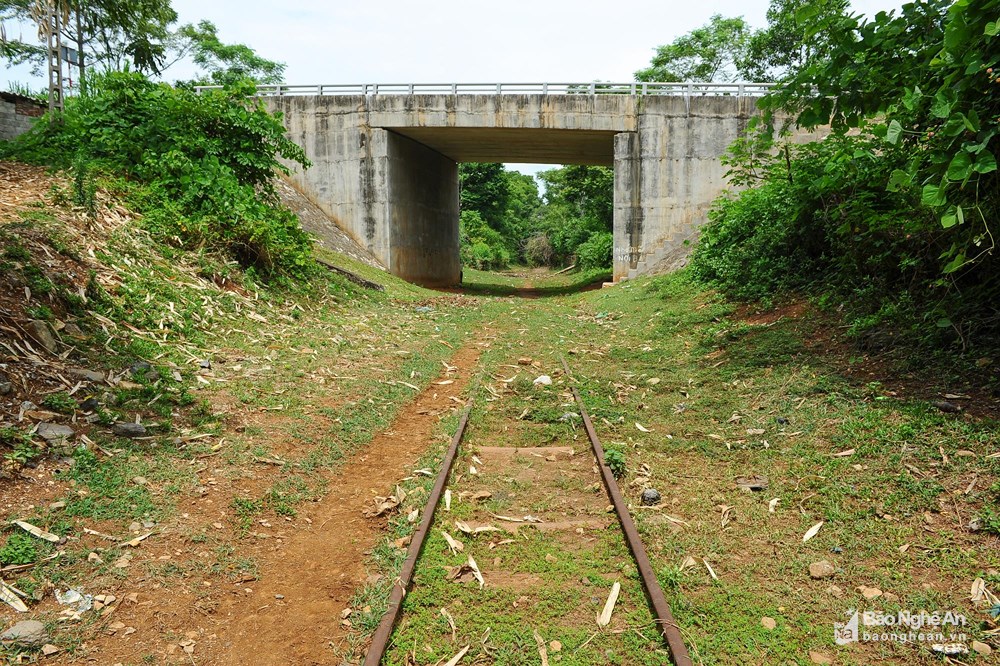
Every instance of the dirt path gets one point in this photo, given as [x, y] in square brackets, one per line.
[292, 614]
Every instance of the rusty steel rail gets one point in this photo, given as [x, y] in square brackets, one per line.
[664, 618]
[382, 635]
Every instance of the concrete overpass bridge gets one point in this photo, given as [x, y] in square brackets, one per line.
[385, 157]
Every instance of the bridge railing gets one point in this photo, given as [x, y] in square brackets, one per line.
[738, 89]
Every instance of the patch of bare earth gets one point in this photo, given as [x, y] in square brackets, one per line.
[291, 614]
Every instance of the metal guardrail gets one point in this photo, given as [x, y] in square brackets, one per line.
[738, 89]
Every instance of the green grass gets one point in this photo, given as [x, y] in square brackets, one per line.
[330, 368]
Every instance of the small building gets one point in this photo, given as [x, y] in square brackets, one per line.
[18, 114]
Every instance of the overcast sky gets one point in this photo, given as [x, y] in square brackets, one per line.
[461, 41]
[466, 41]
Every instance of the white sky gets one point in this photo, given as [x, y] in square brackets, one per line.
[462, 41]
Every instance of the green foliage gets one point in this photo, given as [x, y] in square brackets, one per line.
[21, 548]
[894, 216]
[939, 104]
[709, 53]
[796, 35]
[484, 190]
[506, 201]
[199, 167]
[226, 64]
[22, 449]
[60, 402]
[482, 247]
[579, 202]
[614, 458]
[596, 251]
[115, 34]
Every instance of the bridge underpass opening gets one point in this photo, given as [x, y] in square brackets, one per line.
[422, 181]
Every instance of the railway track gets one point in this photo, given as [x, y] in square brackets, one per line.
[660, 610]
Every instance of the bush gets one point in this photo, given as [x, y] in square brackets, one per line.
[750, 247]
[538, 250]
[198, 166]
[596, 251]
[481, 246]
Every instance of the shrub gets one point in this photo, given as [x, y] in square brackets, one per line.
[199, 166]
[481, 246]
[538, 250]
[596, 251]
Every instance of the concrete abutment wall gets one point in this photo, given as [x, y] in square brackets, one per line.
[424, 237]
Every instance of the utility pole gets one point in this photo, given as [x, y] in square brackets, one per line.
[53, 35]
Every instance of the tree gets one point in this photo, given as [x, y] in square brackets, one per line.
[713, 52]
[797, 32]
[485, 189]
[225, 63]
[18, 51]
[579, 203]
[112, 33]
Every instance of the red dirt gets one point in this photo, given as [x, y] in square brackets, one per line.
[317, 570]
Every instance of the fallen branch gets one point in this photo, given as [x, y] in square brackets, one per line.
[353, 277]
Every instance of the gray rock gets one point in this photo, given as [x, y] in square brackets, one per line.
[74, 331]
[650, 497]
[53, 432]
[6, 387]
[89, 375]
[205, 364]
[42, 333]
[821, 569]
[90, 404]
[569, 416]
[123, 429]
[947, 407]
[27, 633]
[140, 368]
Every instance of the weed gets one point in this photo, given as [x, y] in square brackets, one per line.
[41, 311]
[60, 402]
[614, 458]
[21, 548]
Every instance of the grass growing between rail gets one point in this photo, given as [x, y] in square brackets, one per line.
[701, 394]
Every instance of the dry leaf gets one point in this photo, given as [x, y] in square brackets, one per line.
[772, 504]
[136, 541]
[8, 597]
[458, 657]
[812, 531]
[542, 652]
[978, 590]
[711, 571]
[453, 545]
[641, 428]
[447, 500]
[476, 572]
[37, 532]
[451, 623]
[609, 606]
[844, 454]
[727, 513]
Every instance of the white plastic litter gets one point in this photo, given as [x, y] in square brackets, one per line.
[81, 602]
[543, 380]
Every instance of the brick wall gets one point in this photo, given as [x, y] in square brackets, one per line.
[18, 114]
